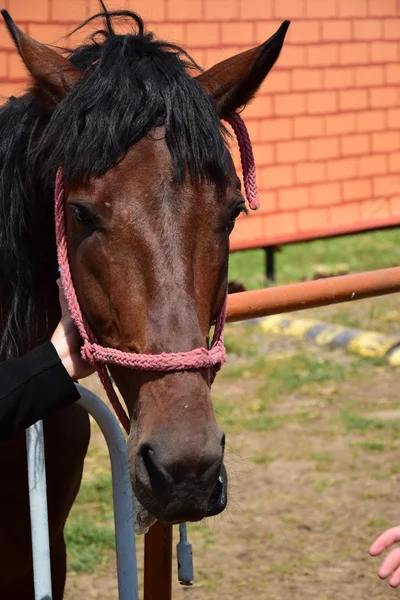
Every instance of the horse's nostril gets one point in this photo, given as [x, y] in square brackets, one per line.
[159, 479]
[223, 443]
[145, 450]
[219, 496]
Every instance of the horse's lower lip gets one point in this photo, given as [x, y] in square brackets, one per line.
[149, 511]
[219, 497]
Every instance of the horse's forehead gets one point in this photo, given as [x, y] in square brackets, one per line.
[145, 174]
[146, 165]
[145, 170]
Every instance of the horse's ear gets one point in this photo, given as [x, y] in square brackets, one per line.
[233, 82]
[53, 74]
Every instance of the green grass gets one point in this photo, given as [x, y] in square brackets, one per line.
[89, 533]
[362, 362]
[374, 446]
[231, 371]
[295, 262]
[296, 372]
[202, 533]
[377, 524]
[236, 343]
[261, 459]
[321, 456]
[322, 485]
[87, 543]
[323, 461]
[241, 415]
[97, 491]
[260, 423]
[270, 380]
[289, 371]
[353, 422]
[303, 369]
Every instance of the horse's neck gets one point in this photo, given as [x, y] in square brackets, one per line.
[28, 294]
[29, 307]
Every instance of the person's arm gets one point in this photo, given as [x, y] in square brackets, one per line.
[31, 387]
[42, 381]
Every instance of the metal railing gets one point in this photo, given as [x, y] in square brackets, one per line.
[122, 497]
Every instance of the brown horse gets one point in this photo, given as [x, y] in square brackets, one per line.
[151, 198]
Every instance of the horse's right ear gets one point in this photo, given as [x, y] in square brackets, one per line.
[233, 82]
[53, 75]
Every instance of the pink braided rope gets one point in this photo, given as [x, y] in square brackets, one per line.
[98, 356]
[247, 159]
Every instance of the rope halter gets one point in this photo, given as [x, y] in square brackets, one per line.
[99, 356]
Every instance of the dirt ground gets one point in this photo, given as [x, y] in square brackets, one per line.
[314, 478]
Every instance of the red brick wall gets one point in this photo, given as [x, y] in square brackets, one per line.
[326, 123]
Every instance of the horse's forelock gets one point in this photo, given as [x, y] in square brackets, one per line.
[133, 83]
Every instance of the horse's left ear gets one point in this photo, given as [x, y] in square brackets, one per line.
[53, 74]
[233, 82]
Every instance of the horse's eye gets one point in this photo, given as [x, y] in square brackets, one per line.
[233, 215]
[82, 214]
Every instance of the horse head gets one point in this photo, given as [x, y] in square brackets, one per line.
[151, 197]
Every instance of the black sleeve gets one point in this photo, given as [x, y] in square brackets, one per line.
[31, 387]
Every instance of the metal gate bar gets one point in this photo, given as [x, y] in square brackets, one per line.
[122, 493]
[122, 496]
[38, 510]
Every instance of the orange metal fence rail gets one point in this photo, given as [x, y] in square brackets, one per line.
[250, 305]
[301, 296]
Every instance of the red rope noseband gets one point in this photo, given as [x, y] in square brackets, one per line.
[99, 356]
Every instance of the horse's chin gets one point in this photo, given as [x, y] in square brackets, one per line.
[143, 519]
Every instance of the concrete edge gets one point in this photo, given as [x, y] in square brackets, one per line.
[369, 344]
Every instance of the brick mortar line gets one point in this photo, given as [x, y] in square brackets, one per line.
[326, 208]
[271, 21]
[295, 235]
[287, 163]
[345, 113]
[355, 88]
[308, 91]
[306, 44]
[355, 111]
[320, 136]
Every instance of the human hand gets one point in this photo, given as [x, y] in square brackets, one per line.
[391, 564]
[67, 342]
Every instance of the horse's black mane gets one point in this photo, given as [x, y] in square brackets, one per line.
[132, 83]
